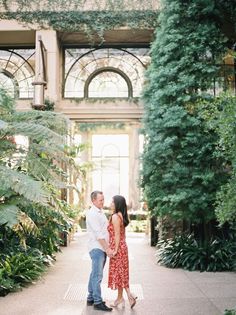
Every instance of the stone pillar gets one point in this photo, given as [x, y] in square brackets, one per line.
[53, 69]
[71, 174]
[134, 192]
[85, 158]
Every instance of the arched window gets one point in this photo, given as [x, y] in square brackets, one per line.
[108, 82]
[8, 83]
[110, 165]
[17, 71]
[110, 69]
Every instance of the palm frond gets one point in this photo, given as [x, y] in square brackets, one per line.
[47, 172]
[9, 214]
[33, 131]
[23, 185]
[48, 149]
[51, 120]
[3, 124]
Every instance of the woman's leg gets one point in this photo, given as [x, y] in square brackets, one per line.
[128, 292]
[119, 299]
[132, 299]
[120, 294]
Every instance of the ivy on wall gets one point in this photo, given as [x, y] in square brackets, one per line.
[104, 100]
[112, 5]
[93, 17]
[83, 127]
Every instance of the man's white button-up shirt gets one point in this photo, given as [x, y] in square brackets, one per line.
[96, 223]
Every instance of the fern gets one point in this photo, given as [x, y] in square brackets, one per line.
[53, 121]
[33, 131]
[3, 124]
[31, 177]
[44, 171]
[23, 185]
[8, 214]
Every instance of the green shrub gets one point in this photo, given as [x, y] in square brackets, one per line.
[6, 284]
[186, 252]
[19, 269]
[230, 312]
[22, 269]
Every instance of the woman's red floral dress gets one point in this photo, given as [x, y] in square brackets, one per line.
[118, 276]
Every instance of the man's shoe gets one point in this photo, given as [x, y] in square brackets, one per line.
[102, 307]
[90, 302]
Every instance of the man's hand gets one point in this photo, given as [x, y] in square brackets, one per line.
[109, 252]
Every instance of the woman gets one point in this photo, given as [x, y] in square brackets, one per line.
[118, 277]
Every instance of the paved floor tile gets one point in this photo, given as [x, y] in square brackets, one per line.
[160, 291]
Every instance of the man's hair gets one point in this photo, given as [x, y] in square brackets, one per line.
[95, 193]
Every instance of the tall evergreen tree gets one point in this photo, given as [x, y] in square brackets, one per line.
[180, 174]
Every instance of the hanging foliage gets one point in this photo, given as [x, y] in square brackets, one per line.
[93, 17]
[83, 127]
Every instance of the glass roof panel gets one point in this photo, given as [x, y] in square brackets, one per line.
[108, 84]
[80, 64]
[18, 65]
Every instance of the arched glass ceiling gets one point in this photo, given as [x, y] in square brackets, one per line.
[81, 64]
[107, 84]
[17, 71]
[8, 84]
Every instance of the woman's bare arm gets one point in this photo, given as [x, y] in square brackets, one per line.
[116, 224]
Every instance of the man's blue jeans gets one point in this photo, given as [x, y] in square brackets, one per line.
[94, 287]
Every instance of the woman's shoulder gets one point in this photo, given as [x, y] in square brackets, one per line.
[117, 216]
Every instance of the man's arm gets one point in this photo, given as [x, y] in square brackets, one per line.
[105, 246]
[93, 222]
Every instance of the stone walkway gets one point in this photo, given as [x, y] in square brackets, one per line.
[160, 291]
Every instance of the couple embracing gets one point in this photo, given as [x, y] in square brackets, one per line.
[107, 238]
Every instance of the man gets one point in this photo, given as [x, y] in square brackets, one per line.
[97, 222]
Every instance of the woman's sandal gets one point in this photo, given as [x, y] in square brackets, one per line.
[118, 302]
[132, 300]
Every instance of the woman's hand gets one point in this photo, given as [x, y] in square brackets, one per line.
[114, 253]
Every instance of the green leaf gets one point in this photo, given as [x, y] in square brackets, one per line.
[23, 185]
[9, 214]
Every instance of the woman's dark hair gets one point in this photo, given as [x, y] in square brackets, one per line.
[121, 206]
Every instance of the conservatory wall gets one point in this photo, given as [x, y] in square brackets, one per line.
[94, 86]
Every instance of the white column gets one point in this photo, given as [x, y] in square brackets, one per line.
[53, 69]
[86, 138]
[134, 192]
